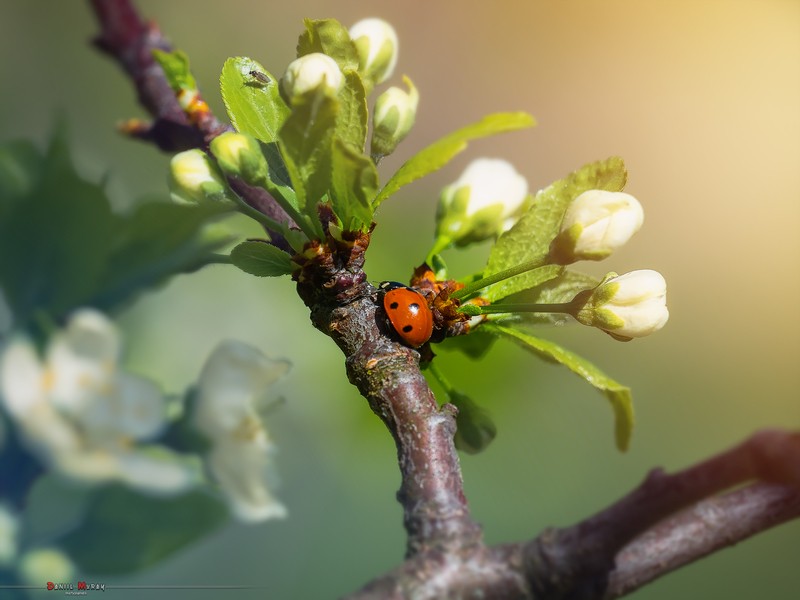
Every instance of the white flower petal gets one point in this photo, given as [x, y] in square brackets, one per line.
[21, 378]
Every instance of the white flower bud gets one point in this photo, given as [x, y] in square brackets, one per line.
[393, 118]
[625, 306]
[239, 154]
[597, 223]
[311, 72]
[376, 43]
[194, 177]
[480, 203]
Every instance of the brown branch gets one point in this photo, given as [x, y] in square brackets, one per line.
[708, 526]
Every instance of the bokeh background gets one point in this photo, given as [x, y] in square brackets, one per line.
[702, 99]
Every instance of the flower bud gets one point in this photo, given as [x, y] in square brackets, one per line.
[376, 43]
[395, 111]
[194, 177]
[596, 224]
[308, 73]
[625, 306]
[478, 205]
[239, 154]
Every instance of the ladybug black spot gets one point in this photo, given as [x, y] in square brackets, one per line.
[407, 328]
[394, 305]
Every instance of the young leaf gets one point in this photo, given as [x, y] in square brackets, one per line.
[330, 37]
[617, 394]
[351, 124]
[306, 140]
[529, 239]
[253, 106]
[152, 528]
[176, 69]
[261, 259]
[20, 169]
[353, 186]
[438, 154]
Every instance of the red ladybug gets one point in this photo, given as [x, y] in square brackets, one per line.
[408, 313]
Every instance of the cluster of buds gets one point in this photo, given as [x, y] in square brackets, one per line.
[488, 199]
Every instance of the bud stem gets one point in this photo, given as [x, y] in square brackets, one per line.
[476, 286]
[527, 308]
[255, 214]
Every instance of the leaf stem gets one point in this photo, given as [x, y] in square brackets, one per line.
[255, 214]
[478, 285]
[440, 378]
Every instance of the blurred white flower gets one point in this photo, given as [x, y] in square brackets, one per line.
[84, 417]
[393, 118]
[484, 201]
[310, 72]
[230, 392]
[45, 564]
[625, 306]
[377, 46]
[597, 223]
[9, 527]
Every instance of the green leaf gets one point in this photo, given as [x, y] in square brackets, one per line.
[475, 428]
[155, 242]
[142, 530]
[262, 259]
[529, 239]
[353, 186]
[351, 124]
[438, 154]
[329, 37]
[53, 507]
[306, 141]
[617, 394]
[253, 106]
[176, 69]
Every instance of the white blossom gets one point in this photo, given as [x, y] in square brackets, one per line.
[394, 115]
[83, 416]
[310, 72]
[377, 46]
[230, 393]
[481, 203]
[596, 223]
[626, 306]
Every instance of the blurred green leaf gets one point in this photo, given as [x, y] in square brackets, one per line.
[529, 239]
[353, 186]
[53, 508]
[153, 243]
[20, 168]
[330, 37]
[55, 240]
[617, 394]
[61, 246]
[254, 107]
[351, 123]
[262, 259]
[142, 530]
[475, 428]
[438, 154]
[176, 69]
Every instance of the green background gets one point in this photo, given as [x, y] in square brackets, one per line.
[700, 98]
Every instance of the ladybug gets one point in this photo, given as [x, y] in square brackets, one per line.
[408, 313]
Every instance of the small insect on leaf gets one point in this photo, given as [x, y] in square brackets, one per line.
[259, 77]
